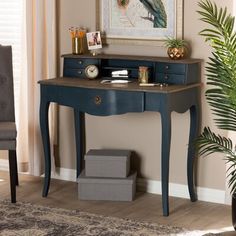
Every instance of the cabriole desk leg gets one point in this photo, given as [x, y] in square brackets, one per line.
[194, 127]
[165, 157]
[44, 105]
[79, 138]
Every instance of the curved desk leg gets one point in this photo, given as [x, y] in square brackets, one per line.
[79, 139]
[44, 105]
[194, 125]
[165, 157]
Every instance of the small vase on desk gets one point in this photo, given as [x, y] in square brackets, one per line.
[77, 45]
[77, 40]
[176, 53]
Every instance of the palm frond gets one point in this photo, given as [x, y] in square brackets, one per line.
[221, 69]
[209, 142]
[221, 77]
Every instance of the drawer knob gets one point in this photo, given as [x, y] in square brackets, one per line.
[97, 100]
[166, 77]
[79, 72]
[80, 62]
[167, 67]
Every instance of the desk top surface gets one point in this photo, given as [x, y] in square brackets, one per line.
[132, 86]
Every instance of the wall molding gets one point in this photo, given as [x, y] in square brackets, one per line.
[181, 190]
[149, 186]
[22, 167]
[64, 174]
[154, 186]
[4, 164]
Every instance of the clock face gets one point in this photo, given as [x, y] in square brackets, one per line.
[91, 71]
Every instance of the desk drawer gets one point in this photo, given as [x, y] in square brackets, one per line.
[79, 62]
[171, 68]
[74, 72]
[103, 102]
[171, 78]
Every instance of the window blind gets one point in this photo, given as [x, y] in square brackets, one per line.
[10, 34]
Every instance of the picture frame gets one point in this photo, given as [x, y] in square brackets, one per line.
[94, 40]
[136, 20]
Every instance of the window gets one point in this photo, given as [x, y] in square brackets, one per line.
[10, 34]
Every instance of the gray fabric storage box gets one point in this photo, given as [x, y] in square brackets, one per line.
[109, 189]
[107, 163]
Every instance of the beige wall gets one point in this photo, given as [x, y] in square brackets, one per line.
[139, 132]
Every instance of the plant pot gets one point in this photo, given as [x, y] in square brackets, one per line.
[176, 53]
[233, 208]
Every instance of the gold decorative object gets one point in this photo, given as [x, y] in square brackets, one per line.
[143, 74]
[77, 37]
[176, 53]
[176, 48]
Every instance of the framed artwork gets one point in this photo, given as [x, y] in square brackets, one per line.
[140, 22]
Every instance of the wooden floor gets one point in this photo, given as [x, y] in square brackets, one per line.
[146, 207]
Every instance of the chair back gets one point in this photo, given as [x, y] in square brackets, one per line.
[7, 112]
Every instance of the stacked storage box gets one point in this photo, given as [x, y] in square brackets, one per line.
[107, 176]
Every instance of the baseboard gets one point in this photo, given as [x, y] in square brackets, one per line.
[180, 190]
[228, 198]
[154, 186]
[22, 167]
[64, 174]
[4, 164]
[149, 186]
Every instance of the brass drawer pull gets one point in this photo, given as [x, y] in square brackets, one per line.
[98, 100]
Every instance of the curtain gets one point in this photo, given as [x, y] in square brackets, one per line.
[39, 62]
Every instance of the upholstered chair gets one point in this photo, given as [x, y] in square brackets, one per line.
[7, 115]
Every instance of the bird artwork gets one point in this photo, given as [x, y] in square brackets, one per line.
[156, 12]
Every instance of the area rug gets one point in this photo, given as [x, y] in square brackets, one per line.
[25, 219]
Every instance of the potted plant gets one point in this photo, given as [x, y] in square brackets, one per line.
[221, 95]
[176, 48]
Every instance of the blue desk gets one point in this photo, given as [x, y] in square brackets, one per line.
[92, 97]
